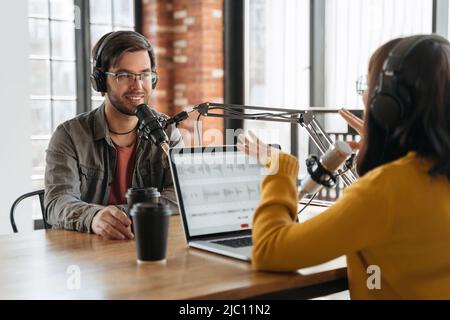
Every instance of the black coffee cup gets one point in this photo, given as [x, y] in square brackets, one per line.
[136, 195]
[151, 227]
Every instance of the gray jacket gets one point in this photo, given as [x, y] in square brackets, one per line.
[80, 165]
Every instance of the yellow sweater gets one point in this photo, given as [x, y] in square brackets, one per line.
[396, 217]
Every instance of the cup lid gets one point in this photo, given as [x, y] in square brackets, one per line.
[143, 208]
[151, 191]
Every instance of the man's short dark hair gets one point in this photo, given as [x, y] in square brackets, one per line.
[119, 43]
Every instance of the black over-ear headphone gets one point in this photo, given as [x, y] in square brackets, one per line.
[98, 76]
[391, 99]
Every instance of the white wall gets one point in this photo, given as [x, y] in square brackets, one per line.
[15, 117]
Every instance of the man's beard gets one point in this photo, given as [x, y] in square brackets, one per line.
[120, 107]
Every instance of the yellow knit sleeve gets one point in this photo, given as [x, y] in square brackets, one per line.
[357, 220]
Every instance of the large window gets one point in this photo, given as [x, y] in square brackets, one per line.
[354, 29]
[279, 55]
[277, 61]
[54, 62]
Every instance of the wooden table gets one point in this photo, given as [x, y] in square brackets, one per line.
[39, 265]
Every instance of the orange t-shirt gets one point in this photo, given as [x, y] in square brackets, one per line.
[123, 175]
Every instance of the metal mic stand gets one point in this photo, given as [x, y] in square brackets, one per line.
[305, 118]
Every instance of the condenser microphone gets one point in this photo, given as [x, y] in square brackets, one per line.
[150, 127]
[322, 172]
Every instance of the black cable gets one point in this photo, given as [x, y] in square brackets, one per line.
[343, 172]
[318, 136]
[283, 115]
[287, 115]
[309, 202]
[234, 112]
[349, 164]
[244, 116]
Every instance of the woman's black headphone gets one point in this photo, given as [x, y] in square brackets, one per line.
[391, 99]
[98, 76]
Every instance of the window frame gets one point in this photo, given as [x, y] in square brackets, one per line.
[50, 59]
[82, 60]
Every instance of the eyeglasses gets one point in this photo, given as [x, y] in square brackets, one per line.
[361, 85]
[127, 78]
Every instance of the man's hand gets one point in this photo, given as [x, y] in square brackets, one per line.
[112, 223]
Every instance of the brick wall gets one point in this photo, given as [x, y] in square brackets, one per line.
[188, 39]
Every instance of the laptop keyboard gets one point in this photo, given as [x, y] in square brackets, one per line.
[236, 242]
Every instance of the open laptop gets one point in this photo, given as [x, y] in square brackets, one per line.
[217, 190]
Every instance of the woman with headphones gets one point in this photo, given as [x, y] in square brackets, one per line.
[396, 217]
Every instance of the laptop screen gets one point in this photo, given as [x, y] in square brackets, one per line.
[218, 189]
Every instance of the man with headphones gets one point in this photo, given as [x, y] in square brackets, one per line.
[94, 158]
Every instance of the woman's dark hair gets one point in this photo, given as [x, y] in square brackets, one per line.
[425, 128]
[119, 43]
